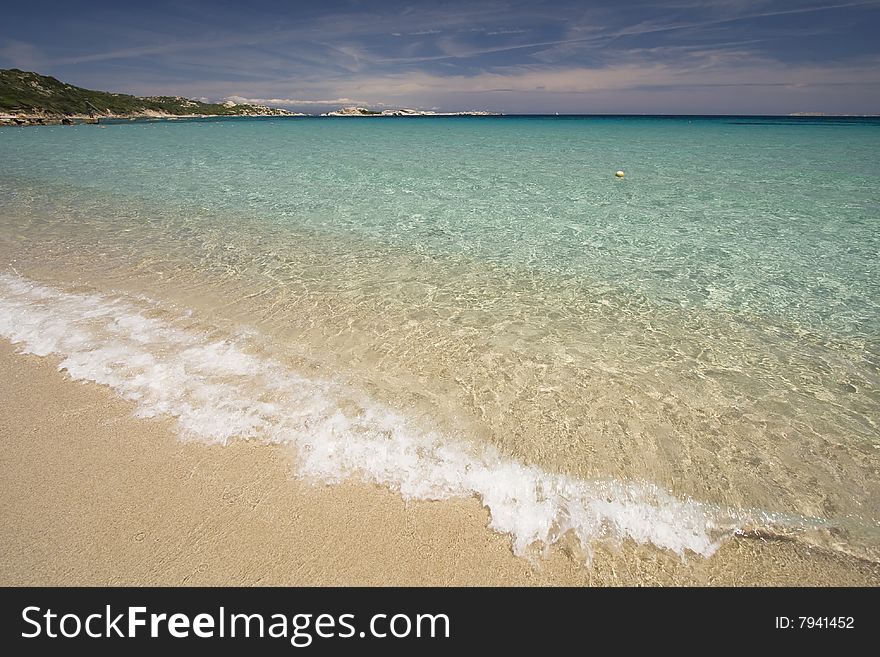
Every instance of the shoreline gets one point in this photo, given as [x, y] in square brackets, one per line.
[94, 495]
[25, 120]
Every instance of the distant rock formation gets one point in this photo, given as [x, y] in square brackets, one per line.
[28, 98]
[363, 111]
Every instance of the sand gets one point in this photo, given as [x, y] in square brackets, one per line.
[92, 495]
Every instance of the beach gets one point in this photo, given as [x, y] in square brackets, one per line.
[289, 350]
[95, 496]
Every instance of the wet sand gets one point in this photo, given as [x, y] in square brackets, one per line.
[92, 495]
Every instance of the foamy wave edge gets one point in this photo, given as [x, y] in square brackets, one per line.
[217, 391]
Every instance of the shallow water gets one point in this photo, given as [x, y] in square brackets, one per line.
[477, 306]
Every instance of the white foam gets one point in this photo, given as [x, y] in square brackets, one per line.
[218, 391]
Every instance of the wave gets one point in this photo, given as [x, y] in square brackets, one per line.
[220, 389]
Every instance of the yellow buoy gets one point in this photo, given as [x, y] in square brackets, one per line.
[619, 174]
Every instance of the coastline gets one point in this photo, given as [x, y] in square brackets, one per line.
[96, 496]
[23, 120]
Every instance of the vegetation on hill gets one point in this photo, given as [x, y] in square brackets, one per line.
[23, 92]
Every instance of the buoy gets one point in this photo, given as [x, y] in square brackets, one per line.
[619, 174]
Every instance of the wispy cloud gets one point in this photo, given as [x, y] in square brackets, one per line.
[513, 54]
[298, 102]
[734, 69]
[22, 55]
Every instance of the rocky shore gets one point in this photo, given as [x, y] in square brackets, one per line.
[77, 119]
[28, 98]
[363, 111]
[31, 119]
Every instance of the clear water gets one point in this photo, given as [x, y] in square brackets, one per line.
[693, 348]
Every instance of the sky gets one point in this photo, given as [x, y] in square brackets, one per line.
[632, 57]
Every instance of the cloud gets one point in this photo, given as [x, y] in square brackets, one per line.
[510, 54]
[291, 102]
[654, 27]
[660, 79]
[18, 54]
[737, 68]
[735, 82]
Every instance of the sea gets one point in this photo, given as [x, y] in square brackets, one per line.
[479, 306]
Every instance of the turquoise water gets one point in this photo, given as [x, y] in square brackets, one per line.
[707, 325]
[777, 216]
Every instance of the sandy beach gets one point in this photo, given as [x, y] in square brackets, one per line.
[95, 496]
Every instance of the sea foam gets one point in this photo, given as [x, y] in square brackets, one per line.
[218, 390]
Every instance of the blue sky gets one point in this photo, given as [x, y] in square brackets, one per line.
[682, 56]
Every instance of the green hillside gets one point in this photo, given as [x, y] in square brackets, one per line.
[23, 92]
